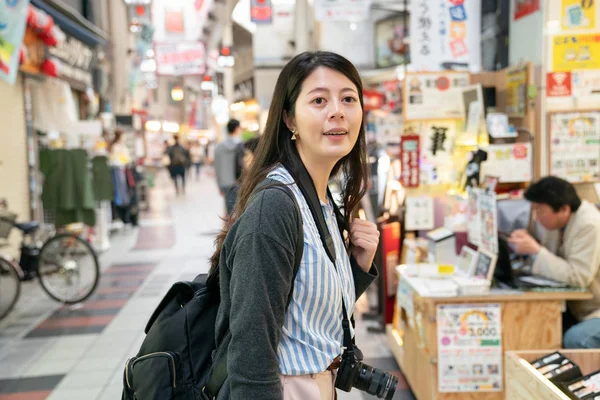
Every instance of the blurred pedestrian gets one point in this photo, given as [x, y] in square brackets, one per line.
[226, 163]
[197, 154]
[178, 161]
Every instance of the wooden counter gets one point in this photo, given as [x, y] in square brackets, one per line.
[530, 321]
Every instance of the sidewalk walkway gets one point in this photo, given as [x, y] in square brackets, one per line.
[61, 353]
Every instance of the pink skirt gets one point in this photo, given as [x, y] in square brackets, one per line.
[309, 387]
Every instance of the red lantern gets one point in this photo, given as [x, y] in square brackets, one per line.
[50, 67]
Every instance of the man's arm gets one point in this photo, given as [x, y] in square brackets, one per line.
[580, 268]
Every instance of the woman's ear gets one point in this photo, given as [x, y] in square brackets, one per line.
[289, 121]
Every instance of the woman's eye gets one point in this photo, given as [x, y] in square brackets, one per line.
[319, 100]
[349, 99]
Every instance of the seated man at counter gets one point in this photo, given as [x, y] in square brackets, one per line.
[569, 252]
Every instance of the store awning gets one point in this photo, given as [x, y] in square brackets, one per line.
[72, 22]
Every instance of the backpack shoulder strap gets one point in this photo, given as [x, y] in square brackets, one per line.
[219, 374]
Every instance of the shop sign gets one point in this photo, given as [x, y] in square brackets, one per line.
[516, 91]
[36, 53]
[409, 157]
[571, 52]
[523, 8]
[578, 14]
[575, 146]
[433, 96]
[445, 34]
[244, 90]
[13, 16]
[342, 10]
[558, 84]
[176, 59]
[261, 11]
[77, 61]
[469, 348]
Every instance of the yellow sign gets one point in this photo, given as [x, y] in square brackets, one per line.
[574, 52]
[516, 92]
[578, 14]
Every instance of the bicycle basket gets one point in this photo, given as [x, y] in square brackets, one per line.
[6, 223]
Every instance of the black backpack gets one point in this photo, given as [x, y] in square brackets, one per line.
[175, 359]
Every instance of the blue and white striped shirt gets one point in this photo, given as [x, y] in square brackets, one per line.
[312, 331]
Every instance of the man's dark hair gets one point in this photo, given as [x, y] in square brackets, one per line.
[232, 125]
[251, 144]
[555, 192]
[176, 138]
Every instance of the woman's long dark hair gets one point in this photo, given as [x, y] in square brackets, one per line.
[275, 145]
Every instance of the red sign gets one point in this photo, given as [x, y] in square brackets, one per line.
[525, 7]
[409, 159]
[391, 258]
[261, 11]
[558, 84]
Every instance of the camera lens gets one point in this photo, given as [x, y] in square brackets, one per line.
[376, 382]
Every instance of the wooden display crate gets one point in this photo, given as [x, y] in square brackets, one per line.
[523, 382]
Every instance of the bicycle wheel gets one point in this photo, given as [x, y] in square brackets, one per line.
[10, 287]
[68, 268]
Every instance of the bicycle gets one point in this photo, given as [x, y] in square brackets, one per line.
[66, 265]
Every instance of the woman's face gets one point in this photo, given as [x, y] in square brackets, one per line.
[328, 116]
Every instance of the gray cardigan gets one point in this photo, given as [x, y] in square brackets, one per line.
[256, 268]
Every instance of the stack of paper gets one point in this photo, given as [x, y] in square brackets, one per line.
[472, 286]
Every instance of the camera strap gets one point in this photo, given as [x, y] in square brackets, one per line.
[307, 187]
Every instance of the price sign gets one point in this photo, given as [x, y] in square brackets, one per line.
[409, 157]
[469, 348]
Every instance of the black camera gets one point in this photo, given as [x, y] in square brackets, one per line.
[354, 373]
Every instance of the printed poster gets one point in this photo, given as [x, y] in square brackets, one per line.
[445, 34]
[578, 14]
[516, 92]
[575, 146]
[409, 157]
[571, 52]
[473, 220]
[469, 348]
[12, 28]
[488, 217]
[585, 83]
[433, 95]
[523, 8]
[559, 84]
[342, 10]
[509, 162]
[437, 145]
[419, 214]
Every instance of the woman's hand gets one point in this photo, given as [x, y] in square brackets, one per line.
[365, 238]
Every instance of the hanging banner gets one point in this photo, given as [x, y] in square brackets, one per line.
[432, 95]
[571, 52]
[437, 144]
[342, 10]
[261, 11]
[176, 59]
[523, 8]
[575, 146]
[409, 157]
[578, 14]
[516, 91]
[469, 348]
[445, 34]
[13, 16]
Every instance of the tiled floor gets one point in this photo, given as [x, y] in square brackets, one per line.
[50, 352]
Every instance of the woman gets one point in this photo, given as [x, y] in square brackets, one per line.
[274, 352]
